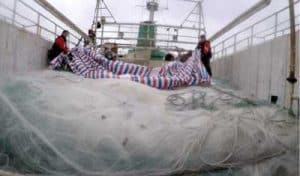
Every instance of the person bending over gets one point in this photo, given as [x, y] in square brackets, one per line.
[59, 46]
[206, 54]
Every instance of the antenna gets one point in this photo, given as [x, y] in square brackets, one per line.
[153, 6]
[195, 17]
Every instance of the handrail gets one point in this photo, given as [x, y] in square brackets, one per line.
[244, 16]
[151, 24]
[3, 5]
[247, 38]
[164, 35]
[60, 16]
[146, 39]
[28, 24]
[252, 35]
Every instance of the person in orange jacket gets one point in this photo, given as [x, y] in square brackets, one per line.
[206, 54]
[59, 46]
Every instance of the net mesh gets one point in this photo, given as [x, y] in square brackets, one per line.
[59, 124]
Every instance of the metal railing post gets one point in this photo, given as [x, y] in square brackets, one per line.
[292, 59]
[234, 43]
[38, 30]
[251, 36]
[55, 31]
[14, 12]
[223, 47]
[276, 25]
[119, 29]
[214, 52]
[147, 36]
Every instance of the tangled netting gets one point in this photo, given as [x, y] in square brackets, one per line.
[195, 99]
[60, 127]
[89, 64]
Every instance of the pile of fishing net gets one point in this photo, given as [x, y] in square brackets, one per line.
[60, 124]
[89, 64]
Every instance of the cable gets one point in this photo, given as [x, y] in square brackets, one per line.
[235, 139]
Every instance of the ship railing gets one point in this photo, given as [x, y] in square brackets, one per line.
[29, 15]
[268, 28]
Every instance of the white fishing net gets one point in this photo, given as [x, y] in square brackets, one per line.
[60, 124]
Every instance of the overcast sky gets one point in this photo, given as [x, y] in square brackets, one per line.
[217, 12]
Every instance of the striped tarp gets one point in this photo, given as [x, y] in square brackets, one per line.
[89, 64]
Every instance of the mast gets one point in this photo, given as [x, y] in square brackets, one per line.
[102, 15]
[152, 7]
[196, 17]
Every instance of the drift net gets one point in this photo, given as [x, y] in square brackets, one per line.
[59, 124]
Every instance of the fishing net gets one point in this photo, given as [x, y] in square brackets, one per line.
[59, 124]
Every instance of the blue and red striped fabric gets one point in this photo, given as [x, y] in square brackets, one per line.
[89, 64]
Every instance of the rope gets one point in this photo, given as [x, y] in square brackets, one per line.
[180, 103]
[198, 100]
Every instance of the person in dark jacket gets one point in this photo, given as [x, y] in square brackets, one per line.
[59, 46]
[91, 40]
[206, 54]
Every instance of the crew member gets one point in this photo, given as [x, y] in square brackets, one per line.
[206, 54]
[59, 46]
[91, 40]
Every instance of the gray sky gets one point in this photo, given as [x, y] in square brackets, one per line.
[217, 12]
